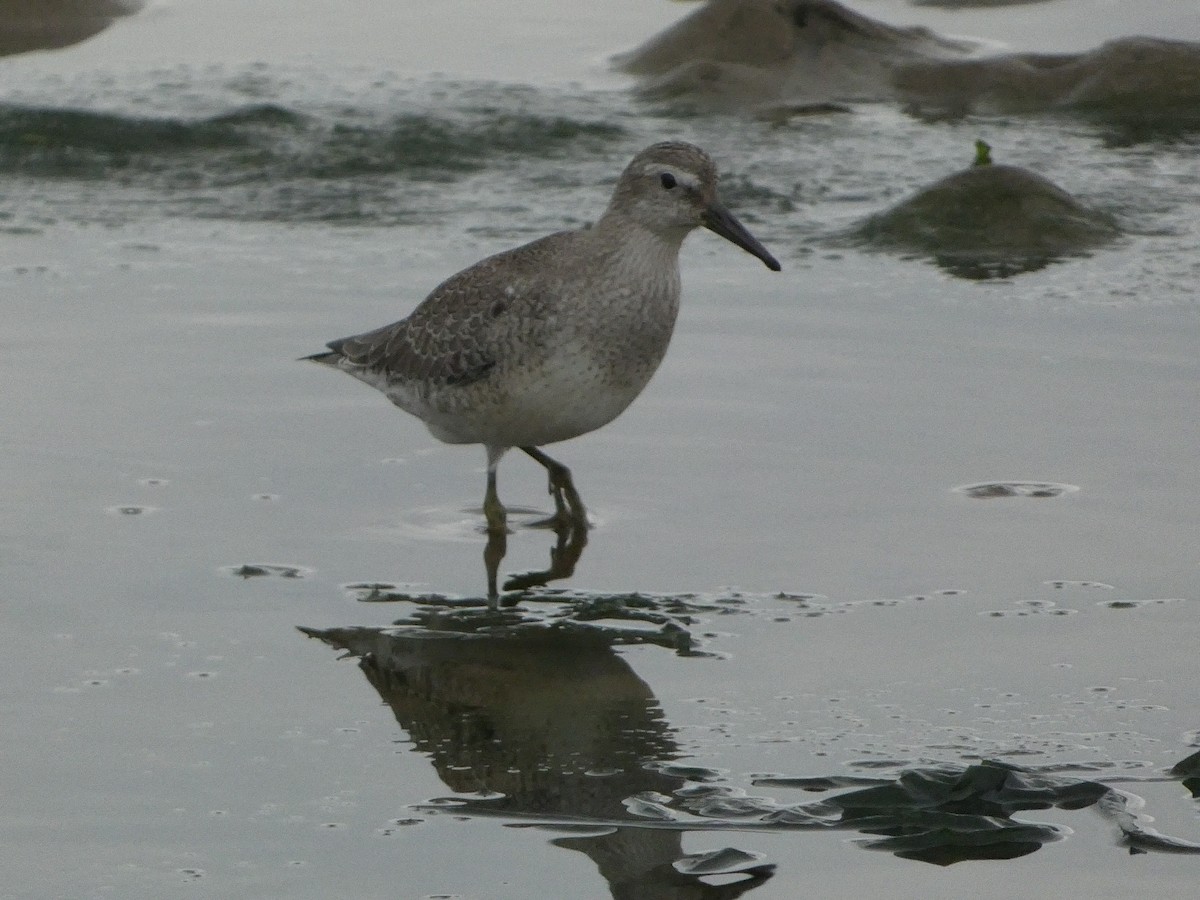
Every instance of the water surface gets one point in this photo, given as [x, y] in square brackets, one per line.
[188, 208]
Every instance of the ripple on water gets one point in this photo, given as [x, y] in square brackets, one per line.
[1125, 603]
[386, 592]
[717, 862]
[264, 570]
[991, 490]
[695, 774]
[442, 523]
[130, 509]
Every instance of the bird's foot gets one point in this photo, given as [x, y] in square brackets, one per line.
[497, 518]
[569, 512]
[564, 519]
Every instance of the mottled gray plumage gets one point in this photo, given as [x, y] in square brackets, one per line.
[556, 338]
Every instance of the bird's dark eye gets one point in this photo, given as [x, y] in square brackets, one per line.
[668, 180]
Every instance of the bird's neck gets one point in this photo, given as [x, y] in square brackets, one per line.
[637, 246]
[635, 262]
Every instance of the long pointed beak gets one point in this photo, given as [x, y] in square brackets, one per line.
[719, 220]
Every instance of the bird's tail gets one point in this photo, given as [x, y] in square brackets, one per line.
[329, 358]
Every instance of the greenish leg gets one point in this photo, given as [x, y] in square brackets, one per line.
[493, 509]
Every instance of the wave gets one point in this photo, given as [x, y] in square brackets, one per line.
[270, 140]
[270, 161]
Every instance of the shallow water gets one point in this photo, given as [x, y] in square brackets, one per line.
[910, 521]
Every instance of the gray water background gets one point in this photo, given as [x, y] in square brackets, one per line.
[168, 732]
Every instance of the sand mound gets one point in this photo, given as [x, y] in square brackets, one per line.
[989, 221]
[756, 54]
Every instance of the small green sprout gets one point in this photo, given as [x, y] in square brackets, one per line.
[983, 154]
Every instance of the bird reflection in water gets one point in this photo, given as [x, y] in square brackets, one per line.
[529, 715]
[546, 724]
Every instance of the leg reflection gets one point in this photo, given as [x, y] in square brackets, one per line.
[570, 537]
[493, 553]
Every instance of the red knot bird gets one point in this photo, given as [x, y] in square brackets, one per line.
[556, 338]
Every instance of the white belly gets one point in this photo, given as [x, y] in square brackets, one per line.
[570, 394]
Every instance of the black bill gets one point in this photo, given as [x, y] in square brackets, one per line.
[721, 221]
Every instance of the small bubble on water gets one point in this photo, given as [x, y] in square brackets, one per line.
[131, 509]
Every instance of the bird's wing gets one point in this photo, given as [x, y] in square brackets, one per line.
[424, 347]
[457, 335]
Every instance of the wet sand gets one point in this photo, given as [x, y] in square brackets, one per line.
[760, 55]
